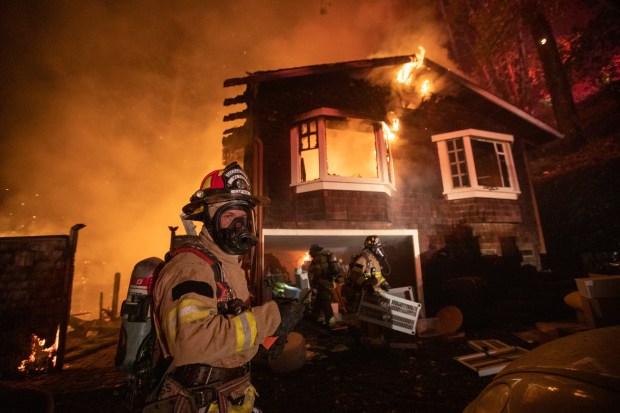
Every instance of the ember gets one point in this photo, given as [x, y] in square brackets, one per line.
[41, 359]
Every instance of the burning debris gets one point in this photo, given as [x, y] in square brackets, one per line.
[41, 359]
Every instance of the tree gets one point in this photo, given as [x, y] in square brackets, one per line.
[555, 74]
[490, 44]
[593, 54]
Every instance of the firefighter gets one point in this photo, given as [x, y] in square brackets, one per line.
[324, 272]
[202, 304]
[365, 274]
[365, 270]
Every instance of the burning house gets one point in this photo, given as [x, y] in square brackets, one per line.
[399, 147]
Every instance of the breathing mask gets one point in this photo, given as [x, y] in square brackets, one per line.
[238, 235]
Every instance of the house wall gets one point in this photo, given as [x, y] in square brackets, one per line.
[461, 241]
[418, 202]
[343, 209]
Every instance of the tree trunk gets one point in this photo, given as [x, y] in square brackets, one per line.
[556, 78]
[525, 87]
[453, 47]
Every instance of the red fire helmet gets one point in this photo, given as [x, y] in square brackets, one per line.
[221, 185]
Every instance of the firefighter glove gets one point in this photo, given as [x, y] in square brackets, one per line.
[385, 286]
[368, 288]
[291, 312]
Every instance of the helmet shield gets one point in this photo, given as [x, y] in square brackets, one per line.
[232, 227]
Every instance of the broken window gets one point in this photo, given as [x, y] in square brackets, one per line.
[477, 163]
[333, 151]
[490, 163]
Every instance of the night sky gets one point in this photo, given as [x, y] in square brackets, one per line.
[111, 111]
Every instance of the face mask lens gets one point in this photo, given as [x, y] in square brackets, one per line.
[234, 229]
[233, 218]
[238, 224]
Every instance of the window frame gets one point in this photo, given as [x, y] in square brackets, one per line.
[384, 182]
[475, 190]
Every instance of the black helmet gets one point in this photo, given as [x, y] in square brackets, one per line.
[373, 244]
[314, 249]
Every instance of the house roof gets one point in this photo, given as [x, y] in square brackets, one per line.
[270, 75]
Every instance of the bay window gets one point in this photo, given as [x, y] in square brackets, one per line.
[476, 163]
[333, 150]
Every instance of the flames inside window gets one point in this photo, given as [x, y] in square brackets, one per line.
[335, 150]
[351, 148]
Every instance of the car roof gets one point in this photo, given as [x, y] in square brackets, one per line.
[590, 356]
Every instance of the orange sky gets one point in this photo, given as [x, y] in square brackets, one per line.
[112, 112]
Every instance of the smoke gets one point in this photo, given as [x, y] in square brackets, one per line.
[112, 111]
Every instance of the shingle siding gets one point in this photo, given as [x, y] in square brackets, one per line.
[418, 202]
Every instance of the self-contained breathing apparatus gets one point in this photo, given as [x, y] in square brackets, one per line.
[138, 352]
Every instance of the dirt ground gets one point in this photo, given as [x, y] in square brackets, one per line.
[412, 374]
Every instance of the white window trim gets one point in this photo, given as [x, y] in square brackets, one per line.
[475, 190]
[330, 182]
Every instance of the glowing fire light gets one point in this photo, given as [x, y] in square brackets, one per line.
[405, 75]
[411, 89]
[390, 128]
[393, 121]
[425, 89]
[387, 132]
[40, 358]
[302, 260]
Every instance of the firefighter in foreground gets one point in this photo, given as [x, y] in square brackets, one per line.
[202, 303]
[366, 275]
[324, 271]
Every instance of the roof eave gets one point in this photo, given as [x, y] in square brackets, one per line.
[265, 76]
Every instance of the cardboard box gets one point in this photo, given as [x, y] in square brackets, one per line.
[599, 286]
